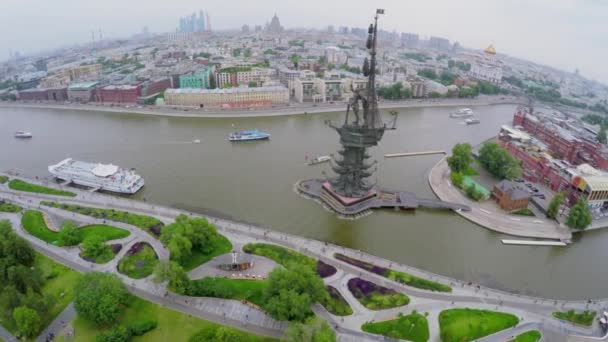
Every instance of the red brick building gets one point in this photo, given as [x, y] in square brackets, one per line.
[60, 94]
[510, 195]
[155, 86]
[561, 142]
[34, 95]
[119, 93]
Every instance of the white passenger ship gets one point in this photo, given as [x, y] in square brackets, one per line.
[106, 177]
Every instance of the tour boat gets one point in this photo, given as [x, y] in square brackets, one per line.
[319, 160]
[23, 134]
[106, 177]
[248, 135]
[462, 113]
[472, 121]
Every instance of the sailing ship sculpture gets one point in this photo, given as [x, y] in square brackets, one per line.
[350, 194]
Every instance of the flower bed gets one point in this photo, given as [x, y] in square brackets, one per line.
[336, 304]
[401, 277]
[9, 207]
[376, 297]
[139, 261]
[286, 256]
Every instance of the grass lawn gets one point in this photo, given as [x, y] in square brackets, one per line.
[150, 224]
[380, 301]
[106, 232]
[33, 222]
[463, 325]
[3, 179]
[140, 263]
[58, 285]
[523, 212]
[172, 325]
[280, 255]
[17, 184]
[528, 336]
[401, 277]
[9, 207]
[413, 327]
[241, 289]
[221, 245]
[336, 304]
[582, 318]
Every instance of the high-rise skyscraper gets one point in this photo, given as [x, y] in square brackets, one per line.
[192, 23]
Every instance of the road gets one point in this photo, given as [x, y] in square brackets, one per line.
[529, 309]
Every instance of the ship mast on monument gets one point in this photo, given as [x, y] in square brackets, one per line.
[349, 193]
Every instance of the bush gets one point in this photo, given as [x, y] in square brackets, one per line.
[118, 334]
[457, 178]
[19, 185]
[139, 328]
[473, 193]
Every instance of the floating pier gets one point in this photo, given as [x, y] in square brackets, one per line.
[533, 243]
[410, 154]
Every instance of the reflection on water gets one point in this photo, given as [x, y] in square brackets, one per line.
[254, 182]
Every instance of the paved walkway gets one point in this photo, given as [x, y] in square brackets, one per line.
[530, 309]
[56, 327]
[488, 215]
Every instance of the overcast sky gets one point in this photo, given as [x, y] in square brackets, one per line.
[567, 34]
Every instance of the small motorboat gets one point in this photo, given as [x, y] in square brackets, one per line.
[462, 113]
[319, 160]
[196, 141]
[23, 134]
[472, 121]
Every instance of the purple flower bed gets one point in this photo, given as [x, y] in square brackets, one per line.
[116, 248]
[383, 271]
[136, 248]
[325, 270]
[334, 293]
[361, 288]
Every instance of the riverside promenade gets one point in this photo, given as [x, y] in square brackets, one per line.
[537, 311]
[488, 215]
[276, 110]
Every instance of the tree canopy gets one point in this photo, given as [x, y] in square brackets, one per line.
[554, 205]
[69, 235]
[461, 157]
[315, 330]
[292, 291]
[99, 297]
[186, 235]
[580, 215]
[27, 320]
[499, 162]
[394, 92]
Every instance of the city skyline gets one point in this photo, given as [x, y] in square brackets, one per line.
[565, 34]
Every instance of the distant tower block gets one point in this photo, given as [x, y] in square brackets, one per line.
[208, 23]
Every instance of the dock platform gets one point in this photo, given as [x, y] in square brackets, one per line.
[533, 242]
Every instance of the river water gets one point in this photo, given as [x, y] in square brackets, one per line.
[254, 182]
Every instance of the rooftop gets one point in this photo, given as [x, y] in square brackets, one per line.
[83, 85]
[514, 190]
[226, 90]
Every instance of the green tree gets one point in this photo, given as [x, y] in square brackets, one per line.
[236, 52]
[601, 136]
[117, 334]
[580, 215]
[186, 235]
[292, 291]
[69, 235]
[461, 157]
[295, 59]
[451, 63]
[94, 246]
[499, 162]
[99, 297]
[253, 84]
[225, 334]
[315, 330]
[172, 273]
[554, 205]
[27, 320]
[428, 73]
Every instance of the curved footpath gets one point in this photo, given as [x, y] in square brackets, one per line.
[488, 215]
[279, 110]
[531, 310]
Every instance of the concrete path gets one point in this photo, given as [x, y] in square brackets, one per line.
[56, 327]
[6, 335]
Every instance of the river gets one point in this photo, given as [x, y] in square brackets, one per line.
[254, 182]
